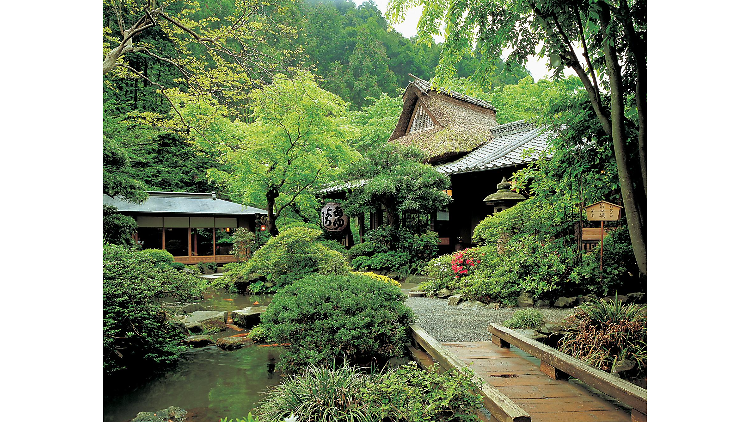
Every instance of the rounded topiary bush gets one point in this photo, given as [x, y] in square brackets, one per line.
[327, 319]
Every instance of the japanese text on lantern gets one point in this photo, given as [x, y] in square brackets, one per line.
[333, 218]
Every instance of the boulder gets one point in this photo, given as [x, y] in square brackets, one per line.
[443, 293]
[541, 303]
[565, 302]
[232, 343]
[623, 368]
[588, 298]
[454, 300]
[525, 300]
[198, 341]
[170, 414]
[201, 321]
[414, 293]
[248, 317]
[472, 304]
[637, 297]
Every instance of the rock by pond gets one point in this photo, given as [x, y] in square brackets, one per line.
[170, 414]
[202, 321]
[232, 343]
[199, 341]
[248, 317]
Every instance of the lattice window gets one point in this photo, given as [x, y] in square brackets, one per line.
[421, 120]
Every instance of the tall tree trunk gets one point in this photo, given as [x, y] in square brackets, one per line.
[634, 211]
[637, 48]
[271, 196]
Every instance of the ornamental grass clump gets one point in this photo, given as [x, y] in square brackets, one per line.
[350, 394]
[525, 318]
[607, 332]
[319, 394]
[327, 319]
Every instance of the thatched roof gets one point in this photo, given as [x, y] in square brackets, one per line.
[443, 124]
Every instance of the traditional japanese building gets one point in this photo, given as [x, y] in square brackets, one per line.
[194, 227]
[461, 139]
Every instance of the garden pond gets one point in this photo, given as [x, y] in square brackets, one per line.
[208, 382]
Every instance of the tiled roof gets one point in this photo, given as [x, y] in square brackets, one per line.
[182, 203]
[506, 148]
[425, 86]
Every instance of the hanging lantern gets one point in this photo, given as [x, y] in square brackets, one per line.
[332, 217]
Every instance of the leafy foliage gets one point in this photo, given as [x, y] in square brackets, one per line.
[401, 251]
[293, 254]
[118, 228]
[296, 142]
[398, 182]
[244, 244]
[137, 330]
[605, 332]
[415, 395]
[343, 393]
[329, 318]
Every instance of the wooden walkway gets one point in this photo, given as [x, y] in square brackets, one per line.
[545, 399]
[529, 382]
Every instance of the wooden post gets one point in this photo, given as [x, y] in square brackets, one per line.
[163, 239]
[601, 250]
[213, 232]
[190, 242]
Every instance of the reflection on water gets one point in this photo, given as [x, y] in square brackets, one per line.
[209, 383]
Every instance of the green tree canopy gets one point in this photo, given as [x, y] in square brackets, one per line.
[396, 180]
[296, 143]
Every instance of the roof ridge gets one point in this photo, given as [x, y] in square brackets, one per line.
[427, 86]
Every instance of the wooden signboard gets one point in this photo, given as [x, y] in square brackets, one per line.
[603, 211]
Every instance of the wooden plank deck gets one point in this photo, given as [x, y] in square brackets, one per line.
[517, 376]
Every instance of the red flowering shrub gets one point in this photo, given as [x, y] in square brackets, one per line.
[464, 261]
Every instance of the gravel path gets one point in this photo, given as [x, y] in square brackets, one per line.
[467, 321]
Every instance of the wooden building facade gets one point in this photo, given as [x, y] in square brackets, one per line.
[193, 227]
[462, 140]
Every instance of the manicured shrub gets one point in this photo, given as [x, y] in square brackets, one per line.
[439, 274]
[177, 265]
[293, 254]
[400, 251]
[137, 330]
[525, 318]
[329, 318]
[159, 257]
[606, 332]
[383, 278]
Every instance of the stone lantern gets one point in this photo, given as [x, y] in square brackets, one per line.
[504, 198]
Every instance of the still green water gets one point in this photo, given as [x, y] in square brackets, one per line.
[210, 383]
